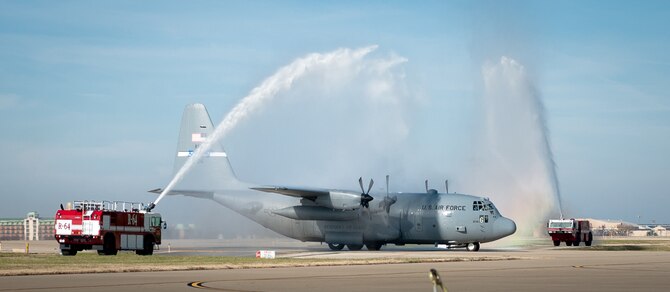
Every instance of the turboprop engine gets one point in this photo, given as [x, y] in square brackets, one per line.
[340, 200]
[333, 205]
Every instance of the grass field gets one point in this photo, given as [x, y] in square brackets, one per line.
[621, 247]
[35, 264]
[601, 243]
[620, 244]
[46, 261]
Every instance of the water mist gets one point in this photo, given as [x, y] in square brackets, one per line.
[516, 160]
[260, 96]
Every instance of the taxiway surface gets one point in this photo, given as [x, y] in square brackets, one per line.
[535, 270]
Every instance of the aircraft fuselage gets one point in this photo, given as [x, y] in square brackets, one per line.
[415, 218]
[337, 217]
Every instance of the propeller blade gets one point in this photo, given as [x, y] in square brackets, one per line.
[426, 186]
[365, 200]
[388, 201]
[365, 196]
[387, 185]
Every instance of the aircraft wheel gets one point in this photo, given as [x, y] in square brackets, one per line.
[472, 246]
[336, 246]
[373, 246]
[557, 242]
[354, 246]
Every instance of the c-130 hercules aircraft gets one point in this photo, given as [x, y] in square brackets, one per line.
[338, 217]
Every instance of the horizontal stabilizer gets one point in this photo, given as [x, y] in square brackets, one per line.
[190, 193]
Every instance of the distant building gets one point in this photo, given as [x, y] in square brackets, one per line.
[623, 228]
[641, 231]
[660, 231]
[30, 228]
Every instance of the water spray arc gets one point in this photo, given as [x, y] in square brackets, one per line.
[282, 80]
[519, 159]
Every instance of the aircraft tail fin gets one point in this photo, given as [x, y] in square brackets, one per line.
[213, 171]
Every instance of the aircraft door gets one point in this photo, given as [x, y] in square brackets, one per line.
[484, 217]
[484, 224]
[414, 224]
[418, 221]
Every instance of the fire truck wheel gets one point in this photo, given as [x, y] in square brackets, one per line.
[68, 252]
[590, 240]
[576, 243]
[148, 247]
[568, 243]
[109, 245]
[557, 242]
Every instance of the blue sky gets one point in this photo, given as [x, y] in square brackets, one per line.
[91, 93]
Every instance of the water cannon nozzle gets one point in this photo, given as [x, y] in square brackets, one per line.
[150, 207]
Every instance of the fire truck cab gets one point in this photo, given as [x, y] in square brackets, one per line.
[107, 227]
[571, 231]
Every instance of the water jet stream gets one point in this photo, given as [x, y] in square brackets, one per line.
[517, 148]
[282, 80]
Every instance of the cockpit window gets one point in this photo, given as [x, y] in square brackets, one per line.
[482, 206]
[477, 205]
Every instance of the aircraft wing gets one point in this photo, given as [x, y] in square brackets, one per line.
[308, 193]
[333, 199]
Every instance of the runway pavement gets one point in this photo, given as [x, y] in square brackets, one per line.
[544, 269]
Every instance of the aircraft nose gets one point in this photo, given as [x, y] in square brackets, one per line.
[504, 227]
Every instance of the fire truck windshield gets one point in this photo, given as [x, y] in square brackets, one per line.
[560, 224]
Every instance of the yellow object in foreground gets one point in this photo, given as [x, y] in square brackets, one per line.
[437, 281]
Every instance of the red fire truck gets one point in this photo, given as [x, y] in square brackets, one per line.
[571, 231]
[107, 227]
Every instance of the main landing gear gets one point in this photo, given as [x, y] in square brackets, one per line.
[336, 246]
[472, 246]
[369, 245]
